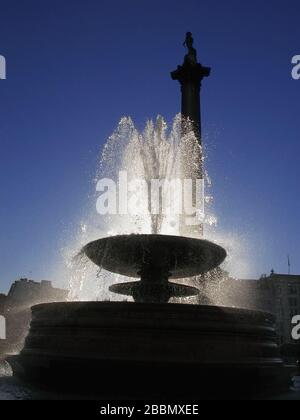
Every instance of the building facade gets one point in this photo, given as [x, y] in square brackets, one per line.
[286, 302]
[16, 308]
[278, 294]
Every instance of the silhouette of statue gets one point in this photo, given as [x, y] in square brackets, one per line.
[191, 57]
[189, 41]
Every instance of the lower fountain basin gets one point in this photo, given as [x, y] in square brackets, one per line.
[131, 350]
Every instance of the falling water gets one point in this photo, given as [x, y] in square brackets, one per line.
[156, 153]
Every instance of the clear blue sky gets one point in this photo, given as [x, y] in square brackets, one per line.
[75, 67]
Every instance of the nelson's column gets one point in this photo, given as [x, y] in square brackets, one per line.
[190, 76]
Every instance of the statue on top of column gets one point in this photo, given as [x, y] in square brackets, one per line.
[191, 57]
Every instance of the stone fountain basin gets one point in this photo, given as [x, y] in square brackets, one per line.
[180, 257]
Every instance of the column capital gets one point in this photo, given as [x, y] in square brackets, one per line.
[188, 73]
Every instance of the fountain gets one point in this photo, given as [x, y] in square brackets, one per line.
[150, 348]
[155, 258]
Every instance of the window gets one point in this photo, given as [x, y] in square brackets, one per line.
[293, 302]
[293, 290]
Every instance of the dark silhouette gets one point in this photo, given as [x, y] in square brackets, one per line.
[190, 76]
[189, 40]
[154, 259]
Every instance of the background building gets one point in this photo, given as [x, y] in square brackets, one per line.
[277, 293]
[15, 307]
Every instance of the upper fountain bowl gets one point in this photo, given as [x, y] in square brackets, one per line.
[178, 257]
